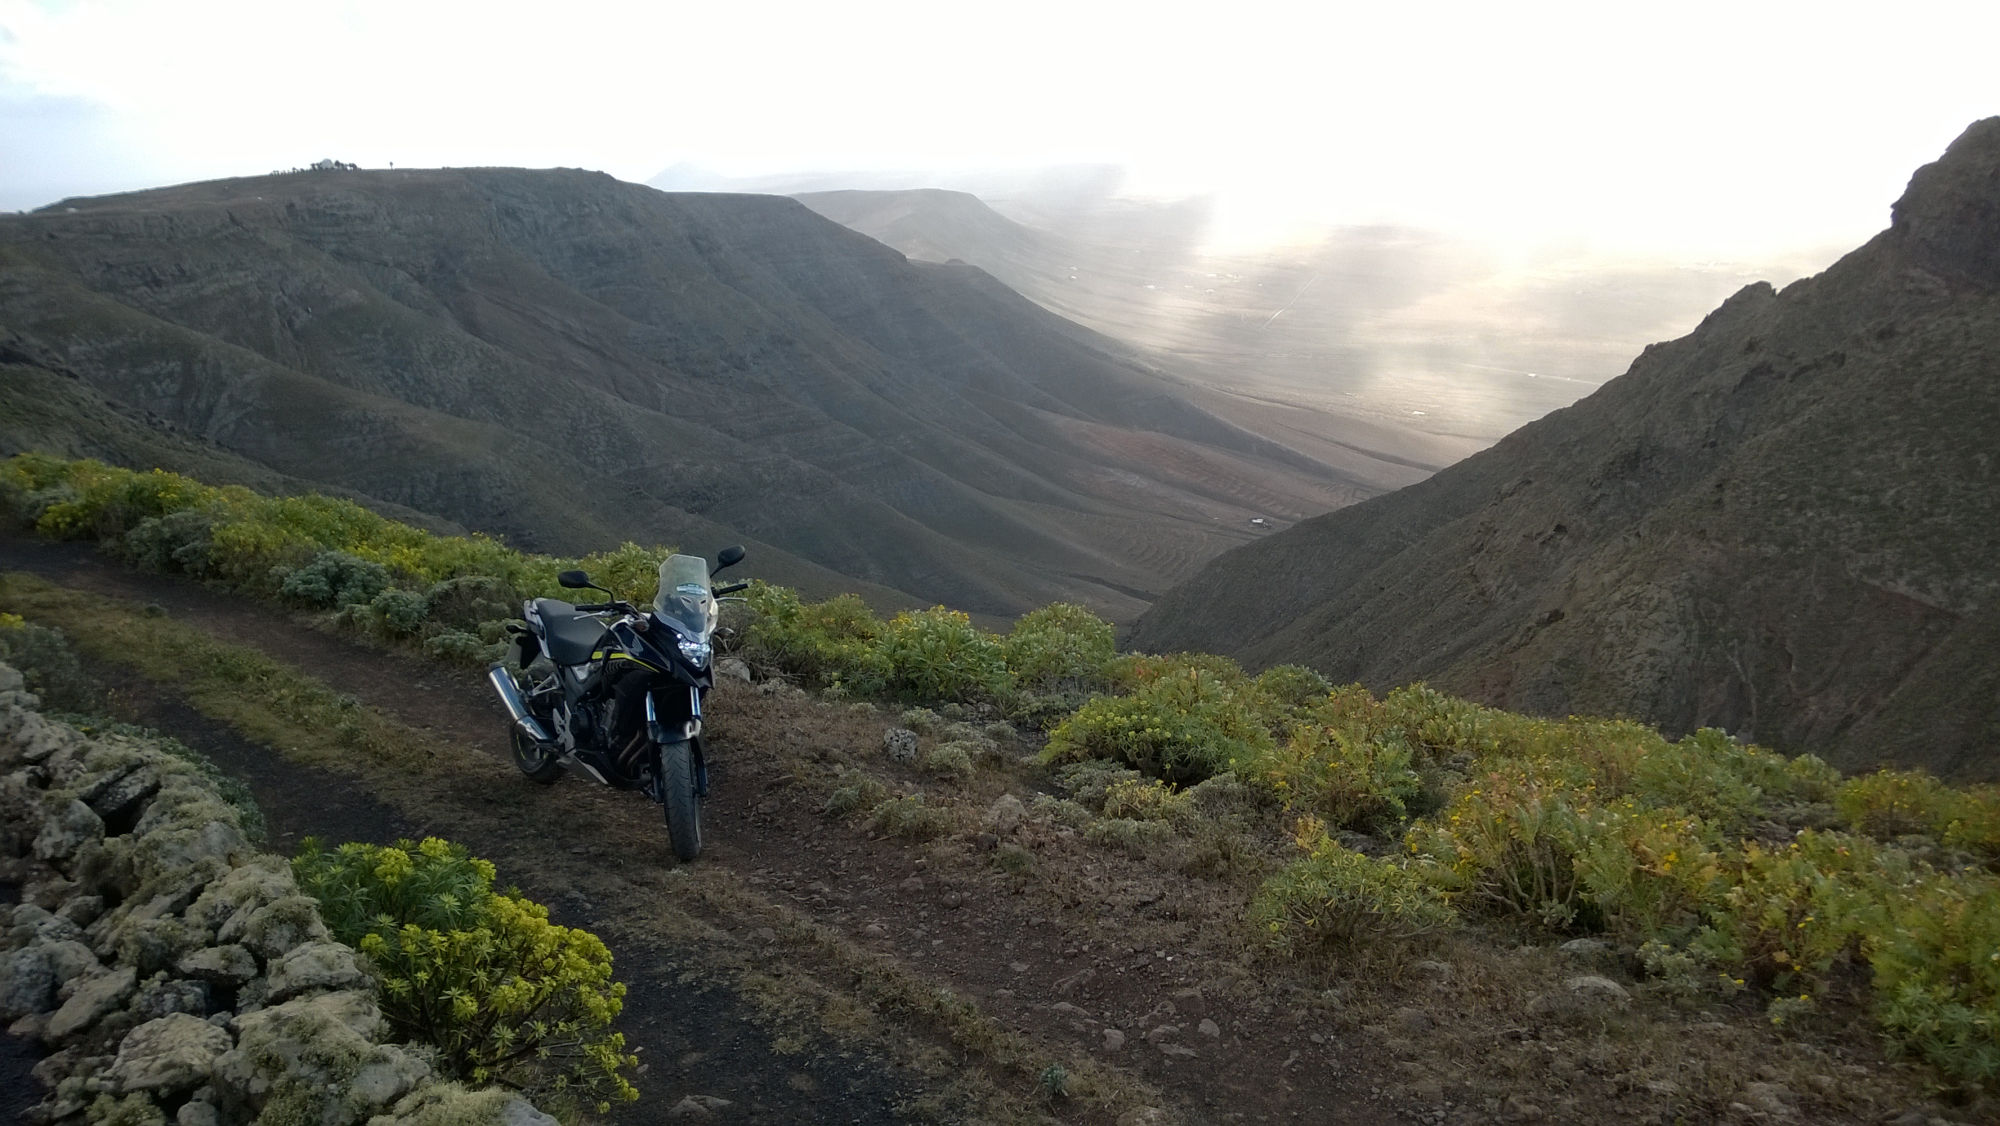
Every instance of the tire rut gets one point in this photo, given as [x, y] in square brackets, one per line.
[600, 860]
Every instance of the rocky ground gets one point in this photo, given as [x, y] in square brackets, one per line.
[810, 967]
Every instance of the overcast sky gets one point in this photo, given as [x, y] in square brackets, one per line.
[1736, 129]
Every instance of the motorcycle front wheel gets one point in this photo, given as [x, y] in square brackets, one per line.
[683, 806]
[537, 760]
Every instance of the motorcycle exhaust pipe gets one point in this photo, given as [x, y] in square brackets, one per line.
[510, 695]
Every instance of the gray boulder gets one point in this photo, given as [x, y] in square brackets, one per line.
[229, 965]
[168, 1055]
[69, 830]
[27, 983]
[315, 966]
[93, 1000]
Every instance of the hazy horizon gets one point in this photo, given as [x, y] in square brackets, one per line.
[1569, 182]
[1553, 123]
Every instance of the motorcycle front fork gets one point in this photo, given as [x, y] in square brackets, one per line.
[663, 732]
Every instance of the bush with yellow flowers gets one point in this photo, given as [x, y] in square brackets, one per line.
[505, 996]
[1334, 898]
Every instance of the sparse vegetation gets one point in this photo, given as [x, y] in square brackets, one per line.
[1727, 867]
[911, 818]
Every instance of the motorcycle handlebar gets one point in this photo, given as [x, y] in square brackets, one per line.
[732, 588]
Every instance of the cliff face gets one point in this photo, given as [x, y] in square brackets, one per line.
[1786, 524]
[568, 361]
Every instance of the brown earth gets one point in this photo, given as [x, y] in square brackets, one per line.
[808, 970]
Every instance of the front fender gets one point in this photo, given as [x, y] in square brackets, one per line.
[671, 729]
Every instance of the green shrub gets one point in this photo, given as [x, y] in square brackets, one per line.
[923, 721]
[1139, 800]
[911, 818]
[1060, 650]
[1181, 724]
[105, 502]
[1786, 917]
[1060, 812]
[1896, 803]
[1336, 898]
[462, 648]
[469, 601]
[1135, 671]
[938, 655]
[951, 761]
[334, 578]
[1511, 843]
[823, 643]
[1648, 873]
[1294, 690]
[1135, 838]
[1442, 725]
[856, 792]
[1936, 962]
[1226, 797]
[629, 571]
[1712, 775]
[179, 541]
[1088, 782]
[46, 662]
[398, 613]
[1014, 860]
[1340, 776]
[505, 996]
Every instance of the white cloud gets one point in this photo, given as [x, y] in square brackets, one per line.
[1685, 124]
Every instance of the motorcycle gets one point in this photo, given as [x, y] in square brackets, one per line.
[616, 692]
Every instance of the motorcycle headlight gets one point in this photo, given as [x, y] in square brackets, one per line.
[697, 652]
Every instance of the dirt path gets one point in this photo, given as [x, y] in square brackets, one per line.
[742, 965]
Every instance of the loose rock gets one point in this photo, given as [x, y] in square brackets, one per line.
[92, 1001]
[168, 1055]
[1600, 988]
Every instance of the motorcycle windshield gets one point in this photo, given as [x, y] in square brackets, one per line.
[685, 601]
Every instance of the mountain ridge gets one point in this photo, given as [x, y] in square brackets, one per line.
[696, 367]
[1785, 523]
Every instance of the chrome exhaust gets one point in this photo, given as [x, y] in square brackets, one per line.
[510, 695]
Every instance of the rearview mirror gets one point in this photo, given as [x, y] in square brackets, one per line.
[728, 557]
[576, 580]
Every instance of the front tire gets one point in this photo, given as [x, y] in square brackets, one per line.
[683, 807]
[536, 760]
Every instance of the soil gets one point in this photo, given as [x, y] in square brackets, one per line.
[599, 859]
[806, 969]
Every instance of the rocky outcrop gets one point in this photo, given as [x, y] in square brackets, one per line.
[174, 972]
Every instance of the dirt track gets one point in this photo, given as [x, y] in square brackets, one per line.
[742, 965]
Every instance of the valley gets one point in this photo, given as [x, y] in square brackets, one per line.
[1783, 524]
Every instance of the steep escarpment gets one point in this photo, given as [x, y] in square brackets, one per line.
[1786, 523]
[569, 361]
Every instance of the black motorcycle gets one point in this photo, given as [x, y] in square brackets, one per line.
[616, 692]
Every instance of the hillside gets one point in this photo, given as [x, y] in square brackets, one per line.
[568, 361]
[1786, 523]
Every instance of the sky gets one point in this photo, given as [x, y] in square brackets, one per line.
[1732, 130]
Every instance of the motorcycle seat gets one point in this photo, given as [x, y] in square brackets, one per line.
[571, 637]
